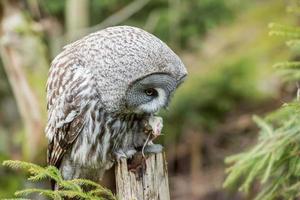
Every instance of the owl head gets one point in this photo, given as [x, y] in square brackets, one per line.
[151, 93]
[134, 71]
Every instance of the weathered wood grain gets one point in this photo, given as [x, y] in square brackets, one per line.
[148, 182]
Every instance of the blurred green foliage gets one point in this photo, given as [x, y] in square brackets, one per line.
[232, 77]
[5, 96]
[182, 21]
[75, 188]
[235, 75]
[207, 14]
[179, 23]
[206, 98]
[10, 181]
[274, 161]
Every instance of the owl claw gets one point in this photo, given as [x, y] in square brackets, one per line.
[129, 153]
[124, 154]
[153, 148]
[119, 155]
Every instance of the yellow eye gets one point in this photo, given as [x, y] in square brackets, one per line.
[150, 92]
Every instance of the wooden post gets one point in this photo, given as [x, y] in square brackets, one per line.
[148, 183]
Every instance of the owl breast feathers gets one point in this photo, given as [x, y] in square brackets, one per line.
[102, 92]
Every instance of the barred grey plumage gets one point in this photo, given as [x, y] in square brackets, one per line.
[102, 92]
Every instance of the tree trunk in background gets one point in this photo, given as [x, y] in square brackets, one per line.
[77, 16]
[24, 58]
[116, 18]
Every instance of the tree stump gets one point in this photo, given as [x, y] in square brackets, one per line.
[147, 181]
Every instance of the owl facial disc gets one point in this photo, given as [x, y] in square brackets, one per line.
[150, 93]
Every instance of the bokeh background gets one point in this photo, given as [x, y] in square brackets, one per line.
[223, 43]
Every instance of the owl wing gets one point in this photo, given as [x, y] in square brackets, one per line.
[63, 137]
[68, 98]
[65, 122]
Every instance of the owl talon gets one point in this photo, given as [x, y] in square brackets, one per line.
[153, 148]
[124, 154]
[119, 155]
[129, 153]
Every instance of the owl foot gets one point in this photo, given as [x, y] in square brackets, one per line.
[153, 148]
[124, 154]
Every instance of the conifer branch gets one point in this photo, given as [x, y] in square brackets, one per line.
[274, 161]
[68, 188]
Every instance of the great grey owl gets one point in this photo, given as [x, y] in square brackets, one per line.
[102, 92]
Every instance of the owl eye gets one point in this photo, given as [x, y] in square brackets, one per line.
[151, 92]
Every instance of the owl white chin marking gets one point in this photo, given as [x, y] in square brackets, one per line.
[156, 104]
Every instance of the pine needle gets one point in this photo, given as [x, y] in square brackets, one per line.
[68, 188]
